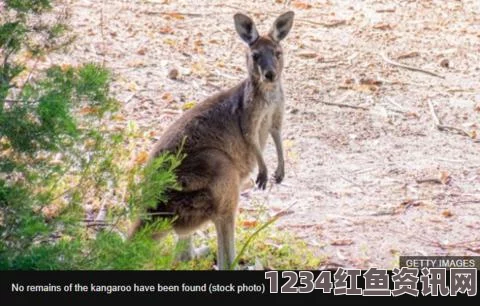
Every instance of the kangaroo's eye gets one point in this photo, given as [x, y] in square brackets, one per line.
[278, 53]
[256, 56]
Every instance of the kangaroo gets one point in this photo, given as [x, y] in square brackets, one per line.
[223, 138]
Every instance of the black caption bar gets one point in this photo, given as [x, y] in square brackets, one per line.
[219, 287]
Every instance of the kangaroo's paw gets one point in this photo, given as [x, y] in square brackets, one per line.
[279, 175]
[262, 179]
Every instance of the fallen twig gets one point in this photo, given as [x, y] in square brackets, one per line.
[188, 14]
[454, 90]
[441, 127]
[395, 104]
[346, 105]
[454, 130]
[393, 63]
[400, 109]
[351, 182]
[436, 121]
[332, 24]
[408, 55]
[388, 10]
[429, 180]
[467, 201]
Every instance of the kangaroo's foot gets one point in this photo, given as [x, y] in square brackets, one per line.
[186, 252]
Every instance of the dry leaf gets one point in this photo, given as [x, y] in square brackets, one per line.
[349, 81]
[412, 114]
[365, 88]
[166, 30]
[6, 152]
[136, 64]
[301, 5]
[473, 134]
[118, 117]
[132, 86]
[175, 15]
[21, 78]
[198, 68]
[65, 67]
[51, 211]
[25, 56]
[141, 158]
[249, 223]
[141, 51]
[342, 242]
[408, 55]
[382, 26]
[370, 82]
[447, 214]
[307, 54]
[88, 110]
[168, 97]
[445, 177]
[90, 143]
[170, 42]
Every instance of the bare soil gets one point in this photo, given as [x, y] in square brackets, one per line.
[367, 183]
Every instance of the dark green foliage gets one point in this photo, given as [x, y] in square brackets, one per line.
[27, 6]
[158, 176]
[43, 118]
[109, 251]
[21, 223]
[12, 35]
[57, 154]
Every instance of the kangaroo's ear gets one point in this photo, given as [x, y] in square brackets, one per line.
[282, 26]
[245, 28]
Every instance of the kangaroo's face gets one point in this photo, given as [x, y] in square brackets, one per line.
[265, 56]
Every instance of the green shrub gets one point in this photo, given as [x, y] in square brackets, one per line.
[57, 154]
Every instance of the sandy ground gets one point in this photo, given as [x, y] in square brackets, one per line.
[368, 183]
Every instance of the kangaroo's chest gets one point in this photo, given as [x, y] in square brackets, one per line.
[274, 106]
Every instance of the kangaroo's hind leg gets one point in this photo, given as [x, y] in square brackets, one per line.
[190, 210]
[185, 250]
[225, 191]
[225, 228]
[216, 202]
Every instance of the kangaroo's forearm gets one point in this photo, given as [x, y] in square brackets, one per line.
[277, 139]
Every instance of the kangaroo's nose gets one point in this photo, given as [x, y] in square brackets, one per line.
[270, 75]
